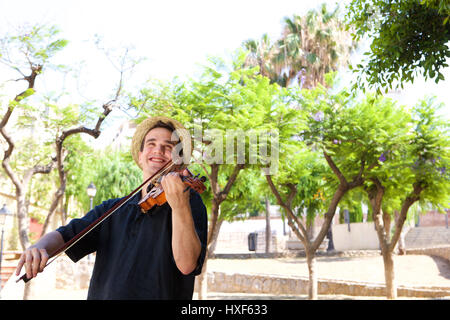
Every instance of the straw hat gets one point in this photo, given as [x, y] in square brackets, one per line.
[144, 127]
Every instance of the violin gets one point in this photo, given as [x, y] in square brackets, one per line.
[155, 194]
[154, 197]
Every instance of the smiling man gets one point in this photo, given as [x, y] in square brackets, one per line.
[153, 255]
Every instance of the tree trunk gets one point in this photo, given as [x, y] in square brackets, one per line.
[268, 229]
[202, 281]
[213, 232]
[391, 286]
[387, 224]
[53, 207]
[381, 219]
[312, 285]
[214, 238]
[22, 216]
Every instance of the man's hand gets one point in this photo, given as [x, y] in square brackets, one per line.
[35, 259]
[36, 256]
[176, 194]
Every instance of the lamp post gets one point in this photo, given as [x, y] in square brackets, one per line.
[91, 191]
[446, 219]
[4, 212]
[347, 218]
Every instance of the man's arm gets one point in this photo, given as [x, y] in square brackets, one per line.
[36, 256]
[186, 244]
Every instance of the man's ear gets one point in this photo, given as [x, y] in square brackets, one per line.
[140, 157]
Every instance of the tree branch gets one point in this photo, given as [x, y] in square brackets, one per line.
[358, 180]
[223, 194]
[335, 169]
[407, 203]
[5, 161]
[292, 219]
[376, 198]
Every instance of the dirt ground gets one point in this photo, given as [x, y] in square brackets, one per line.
[410, 270]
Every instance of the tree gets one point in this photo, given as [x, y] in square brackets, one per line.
[312, 154]
[261, 54]
[64, 118]
[415, 173]
[28, 53]
[310, 46]
[408, 38]
[350, 136]
[226, 109]
[72, 120]
[31, 50]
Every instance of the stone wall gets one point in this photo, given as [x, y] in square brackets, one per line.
[442, 251]
[73, 276]
[279, 285]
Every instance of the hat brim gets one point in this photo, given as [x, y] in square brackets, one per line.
[144, 127]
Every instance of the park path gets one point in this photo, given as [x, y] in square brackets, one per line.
[410, 270]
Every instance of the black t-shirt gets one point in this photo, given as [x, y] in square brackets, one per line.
[134, 257]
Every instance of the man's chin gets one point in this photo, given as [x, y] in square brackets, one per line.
[155, 167]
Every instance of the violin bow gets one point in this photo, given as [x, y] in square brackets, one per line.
[67, 245]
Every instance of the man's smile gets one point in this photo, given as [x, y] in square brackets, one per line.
[157, 159]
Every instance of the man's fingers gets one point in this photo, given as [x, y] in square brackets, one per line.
[36, 261]
[28, 264]
[44, 259]
[20, 264]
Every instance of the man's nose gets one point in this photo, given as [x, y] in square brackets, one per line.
[159, 149]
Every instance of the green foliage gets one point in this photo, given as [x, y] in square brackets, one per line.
[353, 202]
[430, 153]
[313, 196]
[227, 105]
[353, 132]
[398, 147]
[246, 198]
[30, 47]
[408, 38]
[116, 175]
[113, 173]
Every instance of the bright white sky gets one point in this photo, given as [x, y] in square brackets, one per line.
[174, 36]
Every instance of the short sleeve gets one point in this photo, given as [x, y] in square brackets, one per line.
[89, 242]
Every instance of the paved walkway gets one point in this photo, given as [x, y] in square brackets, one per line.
[410, 270]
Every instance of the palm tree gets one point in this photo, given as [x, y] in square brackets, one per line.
[261, 54]
[310, 47]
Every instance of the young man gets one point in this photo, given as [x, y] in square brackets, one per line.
[155, 255]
